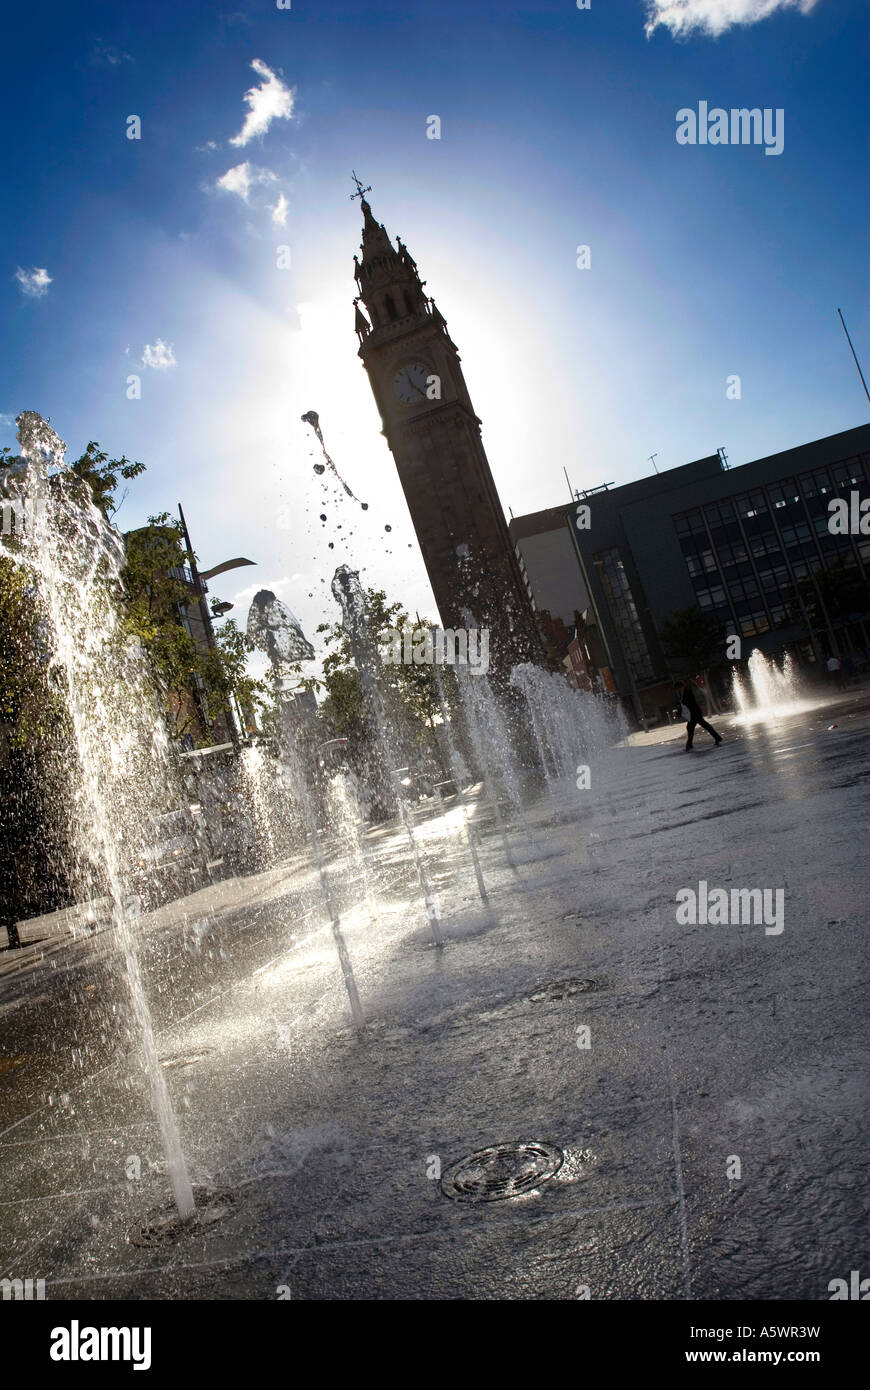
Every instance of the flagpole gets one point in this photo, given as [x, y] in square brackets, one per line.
[854, 354]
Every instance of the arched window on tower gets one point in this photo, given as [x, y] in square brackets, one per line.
[409, 308]
[390, 306]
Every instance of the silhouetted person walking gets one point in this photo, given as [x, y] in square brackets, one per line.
[689, 702]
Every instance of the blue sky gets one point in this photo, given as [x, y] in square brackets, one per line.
[558, 130]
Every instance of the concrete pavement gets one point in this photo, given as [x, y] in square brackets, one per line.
[705, 1084]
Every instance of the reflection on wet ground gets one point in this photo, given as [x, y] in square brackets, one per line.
[579, 1015]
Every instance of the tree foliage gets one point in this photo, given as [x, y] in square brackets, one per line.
[692, 640]
[36, 748]
[102, 476]
[199, 685]
[409, 690]
[841, 592]
[36, 744]
[28, 706]
[156, 593]
[224, 670]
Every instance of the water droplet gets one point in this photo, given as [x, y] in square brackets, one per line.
[388, 528]
[320, 468]
[323, 516]
[365, 506]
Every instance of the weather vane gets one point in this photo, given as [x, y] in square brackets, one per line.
[360, 191]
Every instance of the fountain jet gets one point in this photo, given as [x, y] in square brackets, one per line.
[767, 691]
[122, 757]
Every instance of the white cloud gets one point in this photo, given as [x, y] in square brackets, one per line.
[33, 283]
[237, 180]
[242, 178]
[103, 55]
[269, 102]
[279, 211]
[7, 421]
[714, 17]
[160, 356]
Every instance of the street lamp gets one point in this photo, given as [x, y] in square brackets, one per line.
[198, 578]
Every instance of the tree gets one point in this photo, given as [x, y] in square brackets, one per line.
[837, 595]
[34, 734]
[102, 475]
[693, 641]
[27, 709]
[341, 712]
[154, 596]
[409, 689]
[197, 685]
[36, 744]
[224, 671]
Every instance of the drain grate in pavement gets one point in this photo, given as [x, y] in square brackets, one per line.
[166, 1226]
[185, 1059]
[501, 1171]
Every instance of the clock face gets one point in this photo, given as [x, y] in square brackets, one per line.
[409, 383]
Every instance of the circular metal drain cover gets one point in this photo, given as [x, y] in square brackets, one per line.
[501, 1171]
[166, 1226]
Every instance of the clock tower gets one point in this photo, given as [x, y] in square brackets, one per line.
[434, 436]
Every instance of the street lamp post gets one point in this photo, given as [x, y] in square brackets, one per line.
[198, 578]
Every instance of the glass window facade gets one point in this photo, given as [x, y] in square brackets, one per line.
[745, 553]
[623, 611]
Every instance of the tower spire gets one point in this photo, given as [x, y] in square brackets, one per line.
[361, 190]
[434, 435]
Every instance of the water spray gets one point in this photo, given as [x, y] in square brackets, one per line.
[313, 419]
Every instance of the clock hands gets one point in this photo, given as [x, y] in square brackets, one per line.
[405, 380]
